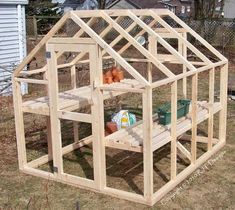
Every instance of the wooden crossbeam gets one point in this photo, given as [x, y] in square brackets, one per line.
[110, 51]
[142, 50]
[161, 40]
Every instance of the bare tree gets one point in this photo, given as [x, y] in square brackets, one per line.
[207, 8]
[101, 4]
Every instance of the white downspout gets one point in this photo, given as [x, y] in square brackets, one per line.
[24, 86]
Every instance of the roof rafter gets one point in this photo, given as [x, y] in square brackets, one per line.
[117, 39]
[142, 50]
[181, 38]
[109, 50]
[30, 56]
[102, 34]
[161, 41]
[197, 36]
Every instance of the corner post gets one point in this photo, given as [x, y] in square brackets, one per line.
[19, 124]
[223, 101]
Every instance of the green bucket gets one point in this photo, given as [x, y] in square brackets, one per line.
[164, 112]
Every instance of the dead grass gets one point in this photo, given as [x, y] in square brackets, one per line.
[214, 189]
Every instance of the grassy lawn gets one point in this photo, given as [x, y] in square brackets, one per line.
[210, 188]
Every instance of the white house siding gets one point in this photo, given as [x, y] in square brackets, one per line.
[229, 9]
[12, 42]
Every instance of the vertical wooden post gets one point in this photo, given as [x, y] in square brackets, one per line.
[48, 122]
[97, 111]
[211, 112]
[194, 117]
[19, 124]
[147, 144]
[183, 51]
[74, 86]
[73, 77]
[223, 101]
[53, 103]
[152, 47]
[173, 130]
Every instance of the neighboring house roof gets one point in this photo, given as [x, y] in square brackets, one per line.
[145, 4]
[14, 2]
[123, 4]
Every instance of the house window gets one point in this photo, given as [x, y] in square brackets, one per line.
[188, 8]
[183, 9]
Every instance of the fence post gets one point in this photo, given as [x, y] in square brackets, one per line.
[35, 27]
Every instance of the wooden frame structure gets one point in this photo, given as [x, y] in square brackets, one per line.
[151, 136]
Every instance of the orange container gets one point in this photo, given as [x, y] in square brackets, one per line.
[114, 71]
[111, 127]
[120, 75]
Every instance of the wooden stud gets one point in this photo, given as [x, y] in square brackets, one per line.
[211, 111]
[184, 53]
[173, 130]
[54, 118]
[223, 101]
[194, 117]
[147, 144]
[19, 125]
[152, 44]
[97, 112]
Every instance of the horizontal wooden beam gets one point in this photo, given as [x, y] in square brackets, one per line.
[74, 116]
[187, 74]
[66, 149]
[33, 81]
[119, 89]
[70, 40]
